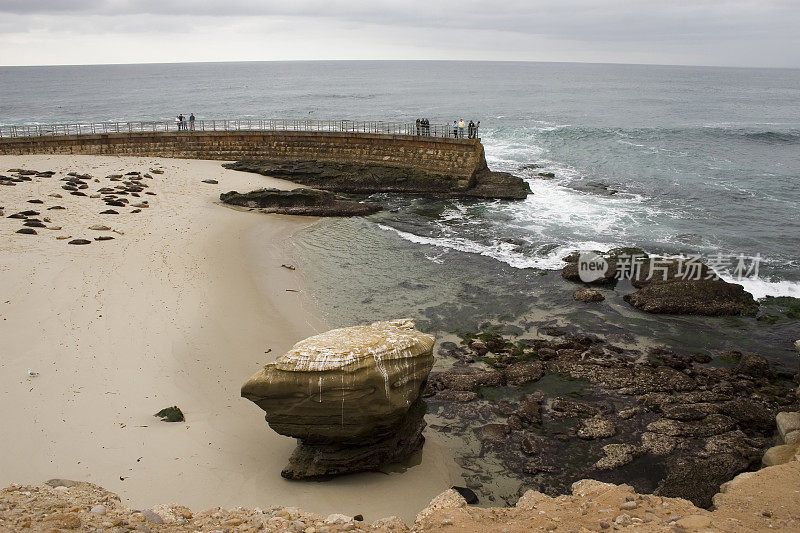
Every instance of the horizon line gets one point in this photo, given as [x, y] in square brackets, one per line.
[400, 60]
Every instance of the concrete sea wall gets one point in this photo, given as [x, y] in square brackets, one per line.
[433, 155]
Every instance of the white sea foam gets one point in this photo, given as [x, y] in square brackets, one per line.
[761, 288]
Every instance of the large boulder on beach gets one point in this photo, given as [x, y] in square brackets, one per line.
[351, 395]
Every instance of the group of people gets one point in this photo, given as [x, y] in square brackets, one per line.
[472, 128]
[459, 128]
[183, 123]
[423, 126]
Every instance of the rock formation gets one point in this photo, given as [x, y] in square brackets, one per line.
[668, 286]
[369, 179]
[676, 423]
[308, 202]
[351, 396]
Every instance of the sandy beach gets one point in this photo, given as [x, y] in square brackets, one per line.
[185, 302]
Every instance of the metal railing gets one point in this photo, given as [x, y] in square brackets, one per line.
[345, 126]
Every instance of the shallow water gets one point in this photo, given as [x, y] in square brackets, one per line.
[358, 272]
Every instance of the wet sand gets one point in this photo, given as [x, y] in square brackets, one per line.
[180, 308]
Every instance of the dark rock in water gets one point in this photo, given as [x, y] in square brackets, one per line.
[546, 175]
[597, 427]
[753, 365]
[613, 262]
[698, 478]
[787, 305]
[464, 379]
[529, 445]
[308, 202]
[750, 414]
[80, 241]
[468, 494]
[571, 272]
[27, 231]
[109, 212]
[499, 185]
[530, 409]
[573, 409]
[587, 295]
[212, 182]
[523, 372]
[596, 187]
[456, 396]
[658, 270]
[369, 179]
[495, 432]
[170, 414]
[694, 297]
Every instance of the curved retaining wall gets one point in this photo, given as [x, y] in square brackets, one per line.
[433, 155]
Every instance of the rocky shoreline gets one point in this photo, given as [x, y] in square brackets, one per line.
[757, 501]
[305, 202]
[370, 179]
[544, 412]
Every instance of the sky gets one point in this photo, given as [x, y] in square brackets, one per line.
[752, 33]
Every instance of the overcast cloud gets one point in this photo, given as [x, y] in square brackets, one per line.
[710, 32]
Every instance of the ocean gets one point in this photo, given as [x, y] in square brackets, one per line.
[675, 160]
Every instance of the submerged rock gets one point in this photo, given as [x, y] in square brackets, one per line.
[309, 202]
[587, 295]
[351, 395]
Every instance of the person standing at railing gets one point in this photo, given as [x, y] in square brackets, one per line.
[419, 126]
[455, 128]
[426, 126]
[191, 121]
[461, 126]
[477, 125]
[471, 129]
